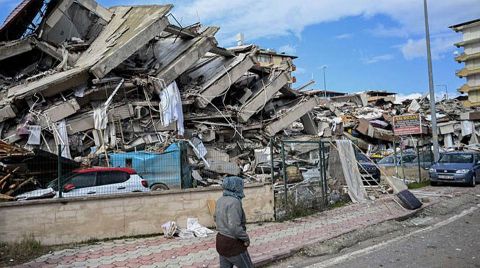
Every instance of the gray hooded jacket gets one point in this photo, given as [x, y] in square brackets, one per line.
[229, 215]
[230, 218]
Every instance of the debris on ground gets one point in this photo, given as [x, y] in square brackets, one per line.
[110, 81]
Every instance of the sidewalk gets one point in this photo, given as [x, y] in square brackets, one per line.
[270, 241]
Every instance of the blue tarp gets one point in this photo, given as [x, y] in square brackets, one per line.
[155, 167]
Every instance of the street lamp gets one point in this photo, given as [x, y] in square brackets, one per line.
[446, 90]
[324, 67]
[430, 86]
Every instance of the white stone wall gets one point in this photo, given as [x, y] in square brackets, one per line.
[78, 220]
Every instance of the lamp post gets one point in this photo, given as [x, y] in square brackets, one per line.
[430, 86]
[324, 67]
[446, 90]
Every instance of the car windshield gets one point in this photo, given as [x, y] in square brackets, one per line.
[456, 158]
[54, 184]
[386, 160]
[362, 158]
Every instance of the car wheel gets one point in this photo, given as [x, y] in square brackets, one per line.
[434, 183]
[159, 187]
[473, 182]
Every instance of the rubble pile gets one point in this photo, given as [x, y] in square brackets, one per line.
[98, 81]
[367, 119]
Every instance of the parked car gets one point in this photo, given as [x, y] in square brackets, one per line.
[456, 167]
[368, 167]
[426, 160]
[92, 182]
[163, 171]
[390, 161]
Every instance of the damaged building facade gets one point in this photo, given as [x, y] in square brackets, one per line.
[100, 82]
[113, 86]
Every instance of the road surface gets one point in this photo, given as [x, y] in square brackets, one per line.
[454, 242]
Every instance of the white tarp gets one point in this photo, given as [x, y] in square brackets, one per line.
[467, 128]
[34, 136]
[61, 137]
[100, 118]
[169, 229]
[171, 107]
[448, 141]
[197, 228]
[414, 106]
[356, 190]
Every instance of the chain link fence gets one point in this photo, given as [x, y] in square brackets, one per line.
[46, 175]
[300, 179]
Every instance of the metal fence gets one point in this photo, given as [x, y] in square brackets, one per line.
[301, 178]
[38, 174]
[412, 162]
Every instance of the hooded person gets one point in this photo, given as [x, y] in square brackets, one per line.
[232, 238]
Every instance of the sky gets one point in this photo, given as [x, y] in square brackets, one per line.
[362, 44]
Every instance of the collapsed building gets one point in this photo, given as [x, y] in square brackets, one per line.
[98, 81]
[107, 85]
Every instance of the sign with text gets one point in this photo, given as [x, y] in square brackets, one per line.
[408, 124]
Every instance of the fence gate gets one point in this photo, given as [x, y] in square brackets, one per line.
[301, 177]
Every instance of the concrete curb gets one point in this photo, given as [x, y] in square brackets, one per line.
[264, 260]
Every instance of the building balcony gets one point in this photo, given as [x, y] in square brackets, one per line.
[464, 57]
[468, 71]
[468, 42]
[466, 88]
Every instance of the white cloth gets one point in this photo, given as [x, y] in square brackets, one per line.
[34, 137]
[356, 190]
[448, 140]
[467, 128]
[100, 118]
[171, 107]
[169, 229]
[61, 137]
[197, 228]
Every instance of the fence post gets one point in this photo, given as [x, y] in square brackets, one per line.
[418, 160]
[401, 161]
[284, 176]
[324, 173]
[271, 160]
[321, 167]
[59, 171]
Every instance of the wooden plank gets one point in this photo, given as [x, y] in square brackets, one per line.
[19, 186]
[6, 177]
[4, 197]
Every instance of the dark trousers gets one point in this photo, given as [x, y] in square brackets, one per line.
[241, 261]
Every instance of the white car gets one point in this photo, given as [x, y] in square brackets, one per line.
[92, 182]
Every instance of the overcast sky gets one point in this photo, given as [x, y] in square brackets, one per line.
[365, 44]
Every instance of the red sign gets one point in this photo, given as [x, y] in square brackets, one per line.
[408, 124]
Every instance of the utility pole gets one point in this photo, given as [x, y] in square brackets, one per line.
[324, 67]
[446, 90]
[431, 87]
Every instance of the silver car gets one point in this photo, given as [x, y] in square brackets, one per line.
[390, 161]
[92, 182]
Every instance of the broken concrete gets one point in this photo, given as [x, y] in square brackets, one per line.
[290, 116]
[263, 91]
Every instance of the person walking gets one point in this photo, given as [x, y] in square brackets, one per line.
[232, 238]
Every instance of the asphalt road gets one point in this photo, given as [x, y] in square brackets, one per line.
[454, 242]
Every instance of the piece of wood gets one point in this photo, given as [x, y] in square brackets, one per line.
[6, 177]
[211, 206]
[19, 186]
[4, 197]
